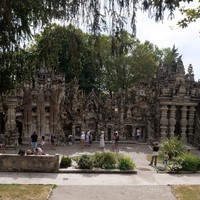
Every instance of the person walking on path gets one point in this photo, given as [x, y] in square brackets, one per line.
[102, 141]
[34, 138]
[155, 150]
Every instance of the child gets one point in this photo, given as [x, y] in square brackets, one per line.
[166, 158]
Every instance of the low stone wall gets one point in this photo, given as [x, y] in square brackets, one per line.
[29, 163]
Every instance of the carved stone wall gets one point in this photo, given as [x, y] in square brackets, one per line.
[163, 108]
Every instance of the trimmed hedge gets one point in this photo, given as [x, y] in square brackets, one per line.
[106, 160]
[186, 162]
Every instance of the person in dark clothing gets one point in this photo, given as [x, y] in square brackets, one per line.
[34, 138]
[155, 150]
[53, 142]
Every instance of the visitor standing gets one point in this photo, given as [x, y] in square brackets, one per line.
[165, 159]
[87, 138]
[53, 142]
[138, 134]
[34, 138]
[90, 138]
[155, 150]
[116, 140]
[102, 141]
[43, 142]
[82, 139]
[70, 140]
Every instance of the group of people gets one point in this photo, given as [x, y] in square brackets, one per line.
[115, 140]
[86, 138]
[38, 150]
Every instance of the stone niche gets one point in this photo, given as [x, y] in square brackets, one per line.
[164, 107]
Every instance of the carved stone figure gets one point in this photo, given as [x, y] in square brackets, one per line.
[27, 105]
[40, 110]
[167, 106]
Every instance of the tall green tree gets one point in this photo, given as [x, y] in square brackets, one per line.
[68, 50]
[170, 56]
[19, 19]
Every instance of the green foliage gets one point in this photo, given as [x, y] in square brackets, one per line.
[189, 162]
[85, 162]
[170, 57]
[174, 147]
[191, 15]
[174, 167]
[65, 162]
[126, 163]
[105, 160]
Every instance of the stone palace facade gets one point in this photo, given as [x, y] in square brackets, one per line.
[166, 107]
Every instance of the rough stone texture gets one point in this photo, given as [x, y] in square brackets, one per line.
[165, 107]
[31, 163]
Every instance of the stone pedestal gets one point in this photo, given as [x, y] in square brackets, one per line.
[172, 121]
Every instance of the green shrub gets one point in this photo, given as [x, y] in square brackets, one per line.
[98, 159]
[85, 162]
[65, 162]
[126, 163]
[174, 147]
[105, 160]
[189, 162]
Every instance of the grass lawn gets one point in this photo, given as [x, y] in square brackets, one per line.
[24, 192]
[186, 192]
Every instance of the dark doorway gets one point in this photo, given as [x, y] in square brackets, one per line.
[20, 131]
[2, 127]
[109, 134]
[128, 131]
[68, 129]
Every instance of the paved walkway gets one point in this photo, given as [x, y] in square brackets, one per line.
[145, 185]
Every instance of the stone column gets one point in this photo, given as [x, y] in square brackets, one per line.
[73, 131]
[191, 123]
[163, 122]
[10, 124]
[172, 121]
[184, 123]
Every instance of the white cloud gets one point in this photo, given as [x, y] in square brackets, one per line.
[167, 34]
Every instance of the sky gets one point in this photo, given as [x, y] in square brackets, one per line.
[167, 34]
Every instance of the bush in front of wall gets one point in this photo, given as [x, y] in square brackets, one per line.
[173, 146]
[105, 160]
[189, 162]
[65, 162]
[85, 162]
[126, 163]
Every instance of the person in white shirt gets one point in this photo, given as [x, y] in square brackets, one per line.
[82, 139]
